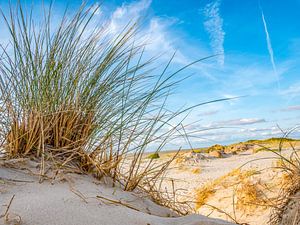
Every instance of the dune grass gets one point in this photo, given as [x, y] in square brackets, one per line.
[196, 170]
[249, 197]
[272, 140]
[289, 166]
[76, 96]
[262, 149]
[233, 178]
[200, 150]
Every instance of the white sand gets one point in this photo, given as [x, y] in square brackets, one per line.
[43, 203]
[212, 169]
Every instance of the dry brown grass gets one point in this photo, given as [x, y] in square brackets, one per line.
[289, 184]
[196, 170]
[180, 158]
[287, 166]
[183, 168]
[249, 197]
[231, 179]
[204, 193]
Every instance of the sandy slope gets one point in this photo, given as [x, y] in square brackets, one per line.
[72, 200]
[214, 168]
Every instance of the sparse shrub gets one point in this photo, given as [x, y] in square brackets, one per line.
[233, 178]
[271, 141]
[153, 156]
[216, 148]
[197, 150]
[216, 154]
[204, 193]
[201, 150]
[249, 196]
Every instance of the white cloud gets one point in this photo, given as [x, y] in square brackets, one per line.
[213, 26]
[251, 77]
[127, 13]
[291, 108]
[156, 33]
[217, 125]
[161, 41]
[208, 113]
[292, 91]
[237, 122]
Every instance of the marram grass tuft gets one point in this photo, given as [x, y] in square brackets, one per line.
[75, 95]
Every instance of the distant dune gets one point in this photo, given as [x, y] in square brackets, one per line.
[242, 182]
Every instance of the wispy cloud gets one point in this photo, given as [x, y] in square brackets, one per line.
[292, 91]
[161, 41]
[126, 13]
[156, 32]
[269, 45]
[214, 26]
[208, 113]
[238, 122]
[291, 108]
[224, 123]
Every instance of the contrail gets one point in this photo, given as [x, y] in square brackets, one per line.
[270, 49]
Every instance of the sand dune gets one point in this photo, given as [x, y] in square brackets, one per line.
[225, 172]
[80, 200]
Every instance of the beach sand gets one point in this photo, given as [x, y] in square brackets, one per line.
[191, 175]
[74, 199]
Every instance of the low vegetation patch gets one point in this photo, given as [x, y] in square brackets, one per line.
[196, 170]
[201, 150]
[216, 148]
[153, 156]
[231, 179]
[281, 139]
[204, 193]
[77, 97]
[249, 197]
[286, 210]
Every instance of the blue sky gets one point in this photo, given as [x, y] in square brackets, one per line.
[259, 47]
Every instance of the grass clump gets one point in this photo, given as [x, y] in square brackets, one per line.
[286, 209]
[204, 193]
[272, 141]
[153, 156]
[249, 196]
[231, 179]
[216, 148]
[201, 150]
[196, 170]
[77, 96]
[256, 150]
[180, 160]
